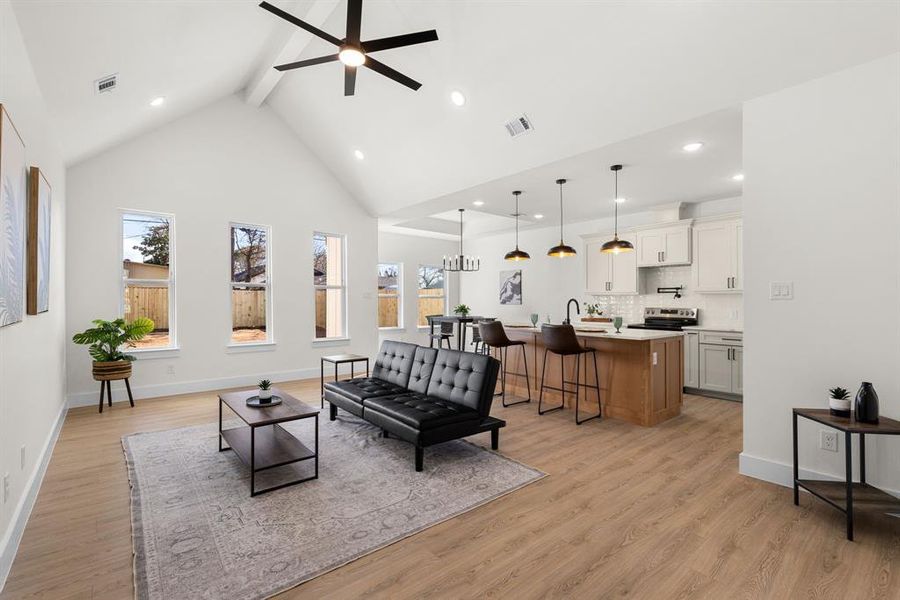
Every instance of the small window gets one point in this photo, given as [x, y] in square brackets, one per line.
[329, 285]
[148, 276]
[390, 303]
[432, 295]
[251, 305]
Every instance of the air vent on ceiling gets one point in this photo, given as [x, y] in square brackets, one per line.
[106, 84]
[519, 126]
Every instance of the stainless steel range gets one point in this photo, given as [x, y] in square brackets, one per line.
[668, 319]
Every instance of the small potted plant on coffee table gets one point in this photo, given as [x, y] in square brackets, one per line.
[839, 402]
[265, 391]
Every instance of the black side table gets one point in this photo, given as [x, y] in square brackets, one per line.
[337, 360]
[846, 495]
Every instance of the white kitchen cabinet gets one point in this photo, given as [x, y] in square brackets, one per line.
[717, 256]
[721, 362]
[610, 274]
[715, 368]
[692, 359]
[664, 246]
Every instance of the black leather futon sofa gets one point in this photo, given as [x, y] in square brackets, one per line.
[423, 395]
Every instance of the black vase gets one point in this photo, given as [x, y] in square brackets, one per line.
[866, 406]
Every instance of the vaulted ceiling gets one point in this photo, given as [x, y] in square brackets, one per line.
[588, 74]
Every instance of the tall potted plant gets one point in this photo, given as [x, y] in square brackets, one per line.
[105, 341]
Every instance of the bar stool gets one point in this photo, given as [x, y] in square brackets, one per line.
[445, 333]
[479, 347]
[494, 336]
[561, 340]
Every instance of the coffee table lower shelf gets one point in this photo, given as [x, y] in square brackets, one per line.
[865, 496]
[267, 447]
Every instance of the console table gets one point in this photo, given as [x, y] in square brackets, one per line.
[846, 495]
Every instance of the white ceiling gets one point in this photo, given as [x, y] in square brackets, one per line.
[656, 171]
[588, 73]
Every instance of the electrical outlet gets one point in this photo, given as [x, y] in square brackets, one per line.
[22, 457]
[5, 487]
[170, 369]
[828, 440]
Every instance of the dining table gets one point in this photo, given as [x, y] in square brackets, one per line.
[462, 323]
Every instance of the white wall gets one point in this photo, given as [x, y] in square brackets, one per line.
[822, 209]
[412, 251]
[32, 353]
[548, 283]
[226, 162]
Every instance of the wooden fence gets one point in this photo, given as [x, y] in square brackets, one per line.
[248, 307]
[387, 309]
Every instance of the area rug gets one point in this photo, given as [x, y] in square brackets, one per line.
[199, 534]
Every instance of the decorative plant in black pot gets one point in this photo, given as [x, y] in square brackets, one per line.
[105, 341]
[839, 402]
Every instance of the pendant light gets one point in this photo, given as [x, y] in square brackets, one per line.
[615, 245]
[517, 254]
[562, 250]
[461, 262]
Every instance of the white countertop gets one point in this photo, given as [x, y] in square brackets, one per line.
[724, 328]
[600, 330]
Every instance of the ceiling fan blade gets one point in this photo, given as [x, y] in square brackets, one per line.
[354, 21]
[349, 80]
[399, 41]
[302, 24]
[307, 62]
[380, 67]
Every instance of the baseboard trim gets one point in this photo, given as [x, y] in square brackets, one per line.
[782, 473]
[13, 535]
[91, 398]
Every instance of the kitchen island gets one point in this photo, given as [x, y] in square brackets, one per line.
[641, 371]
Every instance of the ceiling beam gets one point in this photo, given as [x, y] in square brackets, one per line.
[264, 81]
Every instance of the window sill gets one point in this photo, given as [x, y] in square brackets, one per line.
[341, 341]
[153, 353]
[392, 329]
[250, 347]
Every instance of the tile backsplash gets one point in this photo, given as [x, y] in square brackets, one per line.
[715, 309]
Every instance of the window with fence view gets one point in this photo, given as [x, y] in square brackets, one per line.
[329, 285]
[249, 284]
[432, 298]
[389, 300]
[147, 276]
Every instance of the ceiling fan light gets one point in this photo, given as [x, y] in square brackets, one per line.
[561, 251]
[352, 57]
[616, 246]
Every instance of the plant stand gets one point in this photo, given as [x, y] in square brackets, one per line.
[112, 371]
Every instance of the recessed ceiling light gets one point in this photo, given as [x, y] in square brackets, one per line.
[738, 177]
[692, 147]
[358, 154]
[538, 216]
[478, 203]
[158, 101]
[457, 98]
[620, 200]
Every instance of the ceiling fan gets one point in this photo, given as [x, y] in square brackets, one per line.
[354, 52]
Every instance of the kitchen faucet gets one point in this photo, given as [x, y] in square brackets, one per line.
[568, 320]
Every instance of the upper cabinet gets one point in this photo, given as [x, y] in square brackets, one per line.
[664, 246]
[717, 253]
[610, 274]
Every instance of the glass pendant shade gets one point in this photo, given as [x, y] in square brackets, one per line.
[562, 250]
[517, 255]
[615, 245]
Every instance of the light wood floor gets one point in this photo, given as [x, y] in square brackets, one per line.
[626, 512]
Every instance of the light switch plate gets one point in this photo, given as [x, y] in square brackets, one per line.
[781, 290]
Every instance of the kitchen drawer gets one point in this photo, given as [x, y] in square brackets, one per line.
[722, 337]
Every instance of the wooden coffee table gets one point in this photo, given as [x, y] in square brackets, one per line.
[263, 443]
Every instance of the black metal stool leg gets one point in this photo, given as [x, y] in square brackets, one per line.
[597, 378]
[541, 395]
[505, 357]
